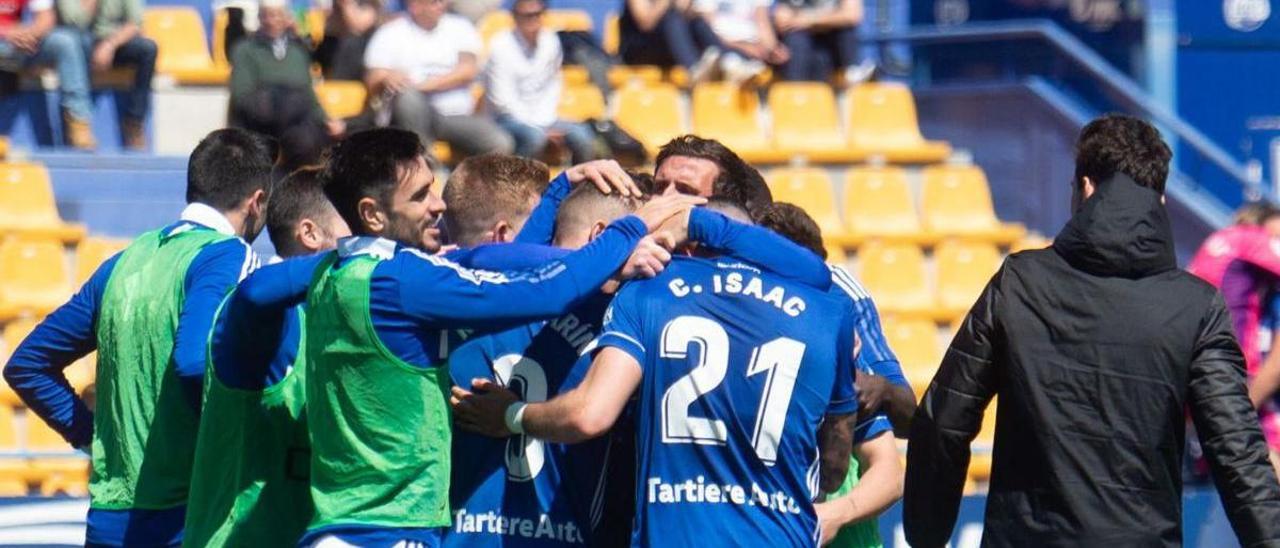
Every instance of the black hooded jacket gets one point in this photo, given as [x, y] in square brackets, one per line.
[1096, 347]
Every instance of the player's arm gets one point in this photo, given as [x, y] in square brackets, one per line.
[585, 412]
[949, 417]
[463, 298]
[509, 256]
[887, 391]
[835, 443]
[879, 486]
[35, 370]
[1228, 428]
[215, 270]
[759, 245]
[607, 175]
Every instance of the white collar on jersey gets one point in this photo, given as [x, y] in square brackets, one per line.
[205, 215]
[380, 248]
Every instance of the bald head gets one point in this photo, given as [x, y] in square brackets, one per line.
[586, 212]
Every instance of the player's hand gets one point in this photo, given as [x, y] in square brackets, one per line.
[483, 409]
[659, 210]
[607, 175]
[873, 390]
[649, 259]
[830, 519]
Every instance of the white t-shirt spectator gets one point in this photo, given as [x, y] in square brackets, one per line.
[523, 81]
[420, 53]
[733, 20]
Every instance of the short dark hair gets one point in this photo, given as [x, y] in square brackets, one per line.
[298, 196]
[368, 164]
[587, 204]
[737, 181]
[730, 209]
[228, 166]
[796, 225]
[1117, 143]
[643, 181]
[486, 188]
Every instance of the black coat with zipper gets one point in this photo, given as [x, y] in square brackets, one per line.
[1097, 347]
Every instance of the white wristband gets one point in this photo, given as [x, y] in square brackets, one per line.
[515, 417]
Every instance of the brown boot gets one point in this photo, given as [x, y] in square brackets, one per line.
[79, 134]
[135, 135]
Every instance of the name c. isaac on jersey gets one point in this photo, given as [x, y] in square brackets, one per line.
[737, 283]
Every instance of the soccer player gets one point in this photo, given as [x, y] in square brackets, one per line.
[147, 311]
[379, 311]
[525, 492]
[733, 370]
[874, 480]
[490, 196]
[250, 483]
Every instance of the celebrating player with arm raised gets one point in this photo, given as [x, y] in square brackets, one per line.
[735, 376]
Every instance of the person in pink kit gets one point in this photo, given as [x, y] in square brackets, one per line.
[1243, 262]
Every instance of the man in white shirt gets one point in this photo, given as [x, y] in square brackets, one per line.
[423, 64]
[522, 82]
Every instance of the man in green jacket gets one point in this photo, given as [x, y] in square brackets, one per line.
[271, 90]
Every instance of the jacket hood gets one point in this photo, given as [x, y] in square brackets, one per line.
[1122, 230]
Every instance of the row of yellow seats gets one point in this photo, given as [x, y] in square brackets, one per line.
[897, 275]
[57, 470]
[955, 202]
[27, 207]
[35, 277]
[806, 121]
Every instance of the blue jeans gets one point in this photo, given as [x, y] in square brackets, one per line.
[60, 50]
[532, 140]
[139, 53]
[808, 61]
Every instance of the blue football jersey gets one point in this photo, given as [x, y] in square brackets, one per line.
[520, 491]
[740, 367]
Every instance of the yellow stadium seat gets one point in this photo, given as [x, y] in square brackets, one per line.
[315, 25]
[731, 114]
[33, 277]
[651, 114]
[964, 268]
[92, 252]
[835, 254]
[612, 34]
[1029, 242]
[13, 478]
[634, 75]
[882, 122]
[956, 201]
[915, 342]
[811, 190]
[895, 274]
[82, 372]
[581, 102]
[980, 462]
[574, 75]
[341, 98]
[8, 429]
[184, 51]
[55, 474]
[497, 21]
[878, 205]
[442, 152]
[806, 122]
[221, 20]
[27, 206]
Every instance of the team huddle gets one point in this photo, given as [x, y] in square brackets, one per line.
[608, 358]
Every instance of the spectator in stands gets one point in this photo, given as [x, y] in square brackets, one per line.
[424, 65]
[704, 167]
[745, 30]
[348, 27]
[821, 35]
[1097, 348]
[522, 86]
[667, 33]
[110, 33]
[489, 198]
[474, 10]
[271, 90]
[23, 45]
